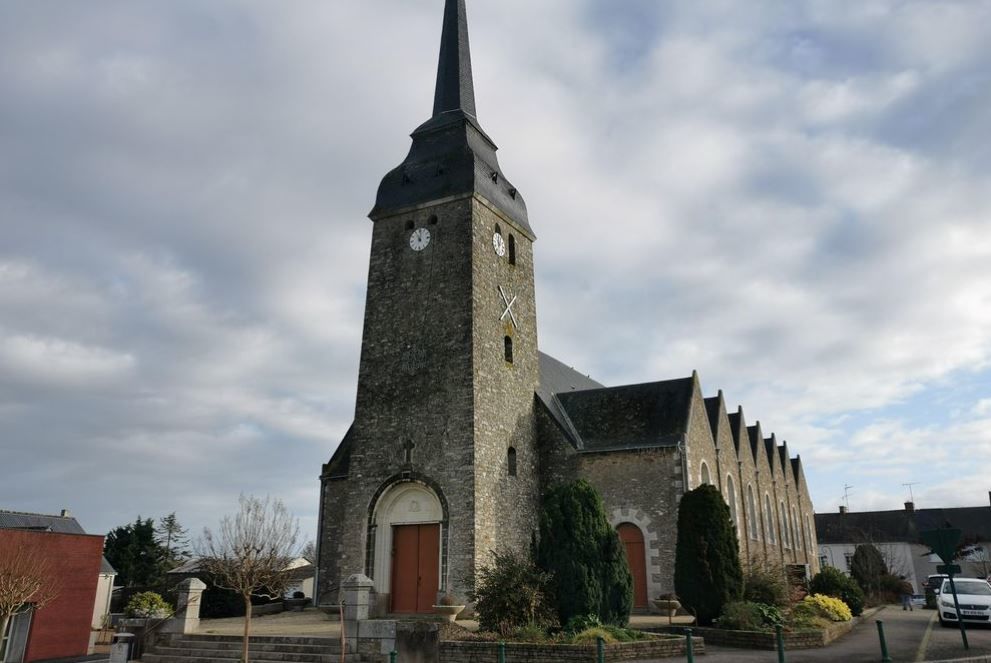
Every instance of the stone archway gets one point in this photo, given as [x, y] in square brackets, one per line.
[407, 530]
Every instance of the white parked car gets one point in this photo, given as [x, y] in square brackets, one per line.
[974, 597]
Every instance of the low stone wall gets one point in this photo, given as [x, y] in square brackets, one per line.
[518, 652]
[811, 639]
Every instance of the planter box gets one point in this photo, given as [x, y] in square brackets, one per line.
[811, 639]
[519, 652]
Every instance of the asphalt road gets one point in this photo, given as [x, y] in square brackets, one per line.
[911, 636]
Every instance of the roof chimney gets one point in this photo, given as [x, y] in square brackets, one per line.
[910, 506]
[66, 513]
[842, 509]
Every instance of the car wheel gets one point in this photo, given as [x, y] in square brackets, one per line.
[943, 623]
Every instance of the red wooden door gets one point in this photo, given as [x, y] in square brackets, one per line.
[415, 573]
[632, 539]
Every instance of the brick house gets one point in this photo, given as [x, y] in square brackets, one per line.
[62, 629]
[461, 422]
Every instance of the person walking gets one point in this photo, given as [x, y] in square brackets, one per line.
[906, 591]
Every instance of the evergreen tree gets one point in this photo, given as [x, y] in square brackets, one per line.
[584, 554]
[136, 554]
[173, 539]
[867, 567]
[707, 572]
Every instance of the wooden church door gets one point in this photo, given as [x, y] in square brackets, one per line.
[415, 572]
[632, 539]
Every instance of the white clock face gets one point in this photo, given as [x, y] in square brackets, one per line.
[419, 239]
[499, 244]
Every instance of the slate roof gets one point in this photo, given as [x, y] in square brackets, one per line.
[902, 525]
[735, 422]
[712, 409]
[40, 522]
[340, 462]
[451, 155]
[630, 417]
[557, 377]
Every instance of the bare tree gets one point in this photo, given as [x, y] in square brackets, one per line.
[251, 553]
[26, 578]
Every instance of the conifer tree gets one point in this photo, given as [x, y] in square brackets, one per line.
[867, 566]
[707, 572]
[583, 552]
[173, 538]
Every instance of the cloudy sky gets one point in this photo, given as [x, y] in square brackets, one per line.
[791, 197]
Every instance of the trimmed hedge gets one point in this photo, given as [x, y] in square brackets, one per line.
[707, 572]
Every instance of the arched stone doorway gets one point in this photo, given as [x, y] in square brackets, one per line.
[407, 530]
[633, 541]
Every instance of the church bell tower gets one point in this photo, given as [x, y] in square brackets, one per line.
[439, 467]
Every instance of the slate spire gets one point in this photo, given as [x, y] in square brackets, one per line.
[451, 155]
[455, 89]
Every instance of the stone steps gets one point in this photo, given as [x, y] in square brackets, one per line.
[225, 649]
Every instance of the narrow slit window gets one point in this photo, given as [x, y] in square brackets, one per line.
[410, 225]
[512, 250]
[509, 349]
[511, 461]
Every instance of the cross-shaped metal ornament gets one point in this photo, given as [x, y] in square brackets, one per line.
[509, 308]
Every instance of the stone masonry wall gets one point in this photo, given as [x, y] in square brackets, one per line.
[415, 385]
[506, 507]
[642, 487]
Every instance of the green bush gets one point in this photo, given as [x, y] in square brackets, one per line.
[512, 593]
[583, 553]
[749, 616]
[806, 616]
[148, 605]
[833, 582]
[766, 583]
[740, 616]
[867, 567]
[707, 573]
[580, 623]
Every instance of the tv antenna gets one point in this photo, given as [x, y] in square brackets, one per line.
[846, 495]
[911, 495]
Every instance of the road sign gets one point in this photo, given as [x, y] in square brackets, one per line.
[949, 569]
[943, 542]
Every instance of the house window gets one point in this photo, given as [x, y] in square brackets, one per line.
[823, 561]
[509, 349]
[785, 531]
[731, 499]
[705, 474]
[769, 520]
[752, 514]
[512, 250]
[848, 558]
[511, 461]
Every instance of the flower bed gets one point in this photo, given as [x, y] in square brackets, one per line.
[796, 639]
[660, 646]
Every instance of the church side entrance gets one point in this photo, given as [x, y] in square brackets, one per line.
[632, 539]
[415, 564]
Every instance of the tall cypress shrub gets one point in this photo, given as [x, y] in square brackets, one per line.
[707, 572]
[583, 552]
[867, 567]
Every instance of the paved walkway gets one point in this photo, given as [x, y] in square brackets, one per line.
[912, 636]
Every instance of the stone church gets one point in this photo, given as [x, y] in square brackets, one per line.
[461, 422]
